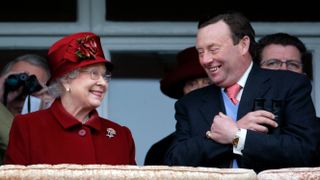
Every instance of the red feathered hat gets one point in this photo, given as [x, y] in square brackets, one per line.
[75, 51]
[187, 68]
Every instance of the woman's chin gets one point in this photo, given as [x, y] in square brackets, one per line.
[95, 103]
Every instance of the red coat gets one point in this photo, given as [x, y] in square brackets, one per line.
[53, 136]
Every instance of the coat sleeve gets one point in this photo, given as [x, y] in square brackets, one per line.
[131, 146]
[296, 143]
[17, 151]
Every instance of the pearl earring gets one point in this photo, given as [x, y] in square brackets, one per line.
[68, 89]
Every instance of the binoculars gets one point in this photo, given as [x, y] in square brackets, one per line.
[30, 84]
[275, 106]
[260, 103]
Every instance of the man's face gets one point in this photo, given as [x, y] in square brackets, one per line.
[194, 84]
[275, 56]
[14, 99]
[223, 61]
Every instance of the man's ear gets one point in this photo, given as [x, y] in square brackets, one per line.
[244, 44]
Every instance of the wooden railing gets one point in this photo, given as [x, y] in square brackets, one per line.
[74, 171]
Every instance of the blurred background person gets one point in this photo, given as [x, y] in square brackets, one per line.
[70, 130]
[5, 120]
[283, 51]
[19, 78]
[20, 70]
[185, 77]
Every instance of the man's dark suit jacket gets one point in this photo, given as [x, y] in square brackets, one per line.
[294, 143]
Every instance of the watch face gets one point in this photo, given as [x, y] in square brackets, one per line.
[235, 141]
[236, 138]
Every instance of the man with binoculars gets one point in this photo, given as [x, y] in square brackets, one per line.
[26, 75]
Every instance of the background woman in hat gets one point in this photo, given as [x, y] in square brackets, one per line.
[186, 76]
[71, 131]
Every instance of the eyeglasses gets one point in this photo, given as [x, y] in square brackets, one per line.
[95, 74]
[292, 65]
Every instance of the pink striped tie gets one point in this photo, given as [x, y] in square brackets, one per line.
[232, 92]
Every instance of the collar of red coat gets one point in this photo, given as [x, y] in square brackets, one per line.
[68, 121]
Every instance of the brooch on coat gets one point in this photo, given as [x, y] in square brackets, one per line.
[111, 132]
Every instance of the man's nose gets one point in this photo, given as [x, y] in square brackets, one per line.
[283, 66]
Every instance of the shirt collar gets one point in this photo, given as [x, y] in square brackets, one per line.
[242, 81]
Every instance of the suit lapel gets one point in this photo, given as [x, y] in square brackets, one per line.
[212, 103]
[256, 87]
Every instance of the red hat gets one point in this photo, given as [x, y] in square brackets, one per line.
[75, 51]
[187, 68]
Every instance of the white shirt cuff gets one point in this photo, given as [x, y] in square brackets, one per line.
[242, 138]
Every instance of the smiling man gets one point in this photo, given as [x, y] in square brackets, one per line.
[217, 125]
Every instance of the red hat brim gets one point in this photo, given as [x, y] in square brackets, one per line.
[66, 54]
[187, 68]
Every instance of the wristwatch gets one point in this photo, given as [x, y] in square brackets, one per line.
[236, 138]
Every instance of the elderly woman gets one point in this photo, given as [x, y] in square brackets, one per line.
[71, 131]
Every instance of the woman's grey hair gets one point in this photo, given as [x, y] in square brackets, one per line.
[33, 59]
[56, 89]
